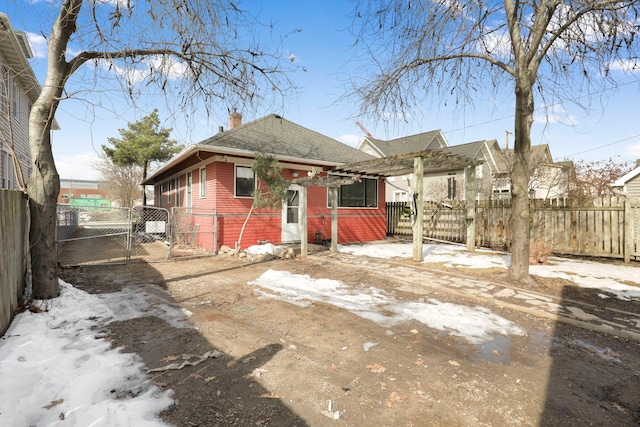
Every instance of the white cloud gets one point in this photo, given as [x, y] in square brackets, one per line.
[633, 150]
[38, 45]
[352, 140]
[77, 166]
[554, 114]
[151, 66]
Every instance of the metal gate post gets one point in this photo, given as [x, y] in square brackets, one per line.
[215, 233]
[129, 238]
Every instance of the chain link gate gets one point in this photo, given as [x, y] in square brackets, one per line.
[92, 235]
[89, 235]
[150, 234]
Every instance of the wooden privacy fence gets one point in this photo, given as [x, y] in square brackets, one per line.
[601, 227]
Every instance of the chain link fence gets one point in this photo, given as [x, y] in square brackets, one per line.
[93, 235]
[102, 235]
[194, 232]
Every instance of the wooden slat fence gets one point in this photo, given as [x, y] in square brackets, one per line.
[601, 227]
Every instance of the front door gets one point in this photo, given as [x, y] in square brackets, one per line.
[291, 215]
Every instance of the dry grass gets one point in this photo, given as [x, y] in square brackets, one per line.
[539, 252]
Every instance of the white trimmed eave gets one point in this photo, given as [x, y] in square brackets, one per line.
[228, 151]
[625, 178]
[13, 47]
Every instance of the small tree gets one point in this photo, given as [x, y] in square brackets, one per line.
[122, 182]
[594, 178]
[141, 144]
[271, 188]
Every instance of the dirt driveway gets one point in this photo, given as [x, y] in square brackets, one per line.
[284, 364]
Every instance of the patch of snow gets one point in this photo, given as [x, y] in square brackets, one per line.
[476, 324]
[56, 372]
[615, 279]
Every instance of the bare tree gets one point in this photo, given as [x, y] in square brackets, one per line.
[547, 49]
[195, 50]
[121, 181]
[594, 178]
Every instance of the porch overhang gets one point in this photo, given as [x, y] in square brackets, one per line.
[417, 163]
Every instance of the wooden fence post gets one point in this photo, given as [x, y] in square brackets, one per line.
[628, 230]
[470, 202]
[418, 206]
[303, 222]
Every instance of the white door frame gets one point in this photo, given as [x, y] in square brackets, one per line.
[291, 217]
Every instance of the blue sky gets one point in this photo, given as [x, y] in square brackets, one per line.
[323, 48]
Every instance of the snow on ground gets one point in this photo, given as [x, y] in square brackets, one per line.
[476, 324]
[54, 372]
[620, 280]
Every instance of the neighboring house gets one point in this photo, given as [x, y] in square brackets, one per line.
[490, 175]
[398, 188]
[629, 184]
[216, 175]
[548, 180]
[19, 88]
[438, 187]
[81, 192]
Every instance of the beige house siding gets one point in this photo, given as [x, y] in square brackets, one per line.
[18, 88]
[14, 123]
[633, 187]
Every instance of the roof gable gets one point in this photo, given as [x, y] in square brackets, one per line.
[279, 137]
[431, 140]
[623, 180]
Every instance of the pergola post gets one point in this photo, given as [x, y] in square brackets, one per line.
[303, 222]
[334, 219]
[418, 205]
[470, 203]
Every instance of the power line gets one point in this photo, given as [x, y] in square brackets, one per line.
[605, 145]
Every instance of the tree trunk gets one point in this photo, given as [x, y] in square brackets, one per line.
[44, 186]
[246, 220]
[44, 182]
[519, 267]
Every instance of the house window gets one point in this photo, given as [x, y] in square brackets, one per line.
[169, 191]
[188, 190]
[451, 187]
[203, 182]
[362, 194]
[479, 172]
[177, 187]
[245, 181]
[400, 196]
[6, 167]
[161, 194]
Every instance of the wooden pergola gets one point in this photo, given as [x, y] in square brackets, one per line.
[418, 163]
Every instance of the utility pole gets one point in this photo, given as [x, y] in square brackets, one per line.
[507, 133]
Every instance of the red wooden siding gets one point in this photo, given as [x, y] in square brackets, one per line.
[354, 224]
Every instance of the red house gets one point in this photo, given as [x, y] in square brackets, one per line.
[216, 174]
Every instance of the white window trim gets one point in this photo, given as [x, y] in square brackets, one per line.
[202, 184]
[235, 180]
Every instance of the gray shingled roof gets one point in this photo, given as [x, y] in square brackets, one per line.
[279, 137]
[473, 150]
[406, 144]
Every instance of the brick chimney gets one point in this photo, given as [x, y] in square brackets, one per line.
[235, 119]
